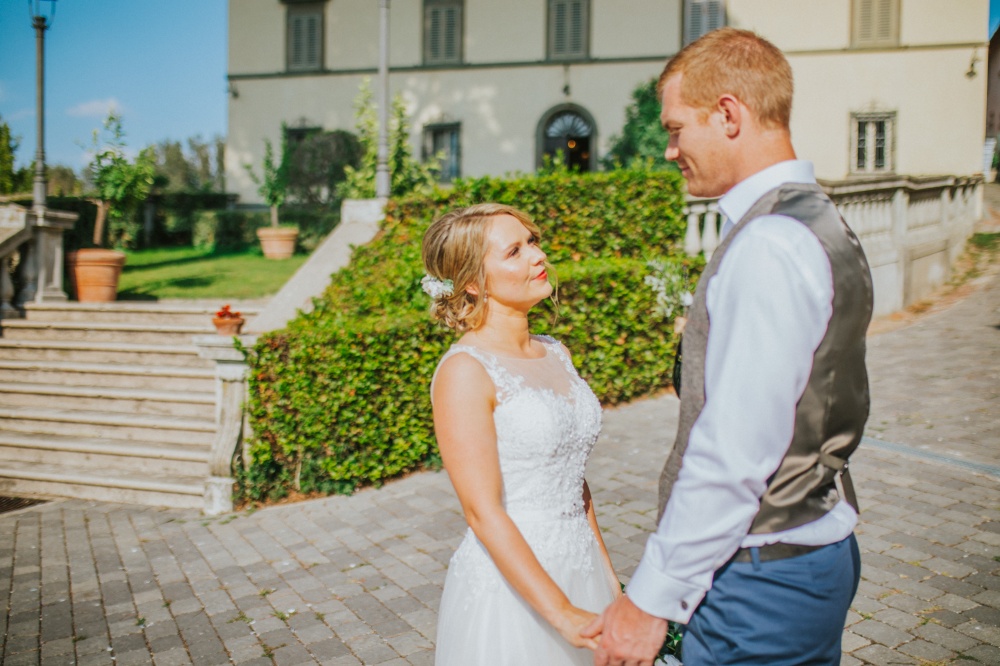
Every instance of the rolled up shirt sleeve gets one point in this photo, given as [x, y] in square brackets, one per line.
[769, 305]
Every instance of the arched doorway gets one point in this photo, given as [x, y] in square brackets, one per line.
[570, 129]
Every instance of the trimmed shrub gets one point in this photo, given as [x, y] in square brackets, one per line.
[340, 398]
[228, 230]
[314, 222]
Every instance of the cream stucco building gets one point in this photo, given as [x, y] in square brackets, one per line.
[890, 86]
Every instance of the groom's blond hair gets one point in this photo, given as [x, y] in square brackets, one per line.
[739, 63]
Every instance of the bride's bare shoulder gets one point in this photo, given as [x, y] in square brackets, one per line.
[462, 375]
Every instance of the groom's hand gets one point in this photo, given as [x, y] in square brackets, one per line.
[629, 636]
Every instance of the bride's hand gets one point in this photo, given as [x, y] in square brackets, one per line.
[570, 622]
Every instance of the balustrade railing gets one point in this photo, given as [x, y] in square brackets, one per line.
[912, 229]
[36, 241]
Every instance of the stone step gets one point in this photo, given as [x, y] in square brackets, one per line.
[66, 373]
[181, 313]
[108, 425]
[82, 331]
[124, 353]
[125, 400]
[144, 459]
[53, 480]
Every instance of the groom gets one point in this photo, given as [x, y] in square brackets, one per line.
[755, 550]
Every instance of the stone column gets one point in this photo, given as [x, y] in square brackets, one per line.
[692, 237]
[230, 400]
[7, 308]
[49, 259]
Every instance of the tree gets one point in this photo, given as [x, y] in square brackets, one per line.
[173, 171]
[317, 166]
[193, 170]
[121, 184]
[643, 140]
[272, 185]
[8, 146]
[63, 181]
[406, 173]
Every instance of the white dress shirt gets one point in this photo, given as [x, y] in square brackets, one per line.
[769, 304]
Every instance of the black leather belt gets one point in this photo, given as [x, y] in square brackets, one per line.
[774, 551]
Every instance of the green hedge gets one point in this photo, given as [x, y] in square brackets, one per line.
[340, 398]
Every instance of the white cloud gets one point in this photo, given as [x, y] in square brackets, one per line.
[95, 108]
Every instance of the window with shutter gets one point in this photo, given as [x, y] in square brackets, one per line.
[305, 37]
[442, 32]
[443, 142]
[875, 23]
[569, 29]
[872, 142]
[702, 16]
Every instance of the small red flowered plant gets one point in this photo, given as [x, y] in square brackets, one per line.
[226, 313]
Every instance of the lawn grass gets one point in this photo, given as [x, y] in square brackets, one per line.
[192, 273]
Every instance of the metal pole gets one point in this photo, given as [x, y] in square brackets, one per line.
[40, 185]
[383, 180]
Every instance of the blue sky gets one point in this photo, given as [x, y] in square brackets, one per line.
[160, 63]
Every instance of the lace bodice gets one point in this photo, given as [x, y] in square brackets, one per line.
[547, 420]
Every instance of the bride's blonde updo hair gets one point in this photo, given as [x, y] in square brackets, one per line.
[454, 248]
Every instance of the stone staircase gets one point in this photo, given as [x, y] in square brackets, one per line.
[108, 401]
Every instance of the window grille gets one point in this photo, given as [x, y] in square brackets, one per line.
[873, 142]
[443, 141]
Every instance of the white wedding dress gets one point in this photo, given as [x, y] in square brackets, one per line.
[547, 420]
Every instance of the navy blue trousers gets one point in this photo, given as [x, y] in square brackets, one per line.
[776, 613]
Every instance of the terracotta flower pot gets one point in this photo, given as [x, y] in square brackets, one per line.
[228, 325]
[95, 273]
[277, 242]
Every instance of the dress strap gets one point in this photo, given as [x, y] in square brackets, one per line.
[504, 382]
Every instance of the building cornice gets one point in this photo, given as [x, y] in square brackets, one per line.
[409, 69]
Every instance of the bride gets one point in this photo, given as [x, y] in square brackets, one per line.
[515, 424]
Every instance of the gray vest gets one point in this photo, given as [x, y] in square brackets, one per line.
[831, 414]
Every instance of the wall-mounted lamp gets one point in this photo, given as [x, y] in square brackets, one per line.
[233, 92]
[971, 73]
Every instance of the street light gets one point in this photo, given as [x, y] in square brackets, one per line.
[40, 20]
[41, 264]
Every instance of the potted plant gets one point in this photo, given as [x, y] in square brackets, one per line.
[277, 242]
[227, 322]
[121, 186]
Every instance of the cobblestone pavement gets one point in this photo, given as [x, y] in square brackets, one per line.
[356, 580]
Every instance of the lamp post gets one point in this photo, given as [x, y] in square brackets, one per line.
[383, 180]
[41, 23]
[41, 265]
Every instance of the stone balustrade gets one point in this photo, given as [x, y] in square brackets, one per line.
[35, 237]
[912, 229]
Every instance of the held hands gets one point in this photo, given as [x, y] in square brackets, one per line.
[628, 635]
[570, 623]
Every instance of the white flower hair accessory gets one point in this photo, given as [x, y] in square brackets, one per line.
[436, 288]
